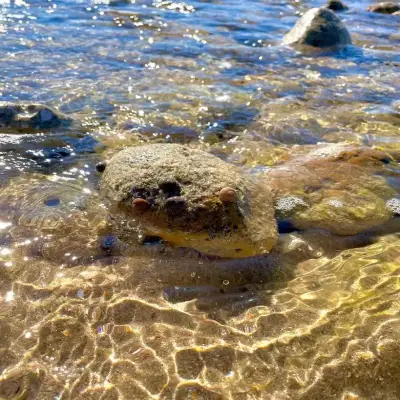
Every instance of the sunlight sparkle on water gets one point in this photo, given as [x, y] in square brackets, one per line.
[5, 251]
[9, 296]
[4, 225]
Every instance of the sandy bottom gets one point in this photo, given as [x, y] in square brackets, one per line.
[323, 329]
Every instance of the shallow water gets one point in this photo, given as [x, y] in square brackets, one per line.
[78, 324]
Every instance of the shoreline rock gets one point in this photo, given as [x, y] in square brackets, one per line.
[31, 116]
[384, 8]
[319, 28]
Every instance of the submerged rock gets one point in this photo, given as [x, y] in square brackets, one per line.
[193, 199]
[20, 383]
[333, 188]
[384, 8]
[189, 198]
[27, 116]
[336, 5]
[320, 28]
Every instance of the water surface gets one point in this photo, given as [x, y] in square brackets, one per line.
[212, 74]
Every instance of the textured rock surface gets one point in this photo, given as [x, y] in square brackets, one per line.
[318, 27]
[384, 8]
[181, 195]
[193, 199]
[31, 116]
[332, 188]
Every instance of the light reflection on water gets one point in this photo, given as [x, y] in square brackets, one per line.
[76, 324]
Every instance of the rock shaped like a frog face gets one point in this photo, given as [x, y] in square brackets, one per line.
[189, 198]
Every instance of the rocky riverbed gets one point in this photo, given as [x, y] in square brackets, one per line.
[298, 107]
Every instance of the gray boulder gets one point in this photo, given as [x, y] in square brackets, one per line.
[31, 116]
[320, 28]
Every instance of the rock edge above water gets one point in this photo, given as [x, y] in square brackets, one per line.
[384, 8]
[31, 116]
[319, 28]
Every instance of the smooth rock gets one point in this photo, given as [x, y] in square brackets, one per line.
[384, 8]
[320, 28]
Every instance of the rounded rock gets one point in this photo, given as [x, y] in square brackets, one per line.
[31, 116]
[183, 185]
[319, 28]
[384, 8]
[336, 5]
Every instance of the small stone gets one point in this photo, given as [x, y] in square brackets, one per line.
[227, 195]
[337, 5]
[320, 28]
[140, 205]
[384, 8]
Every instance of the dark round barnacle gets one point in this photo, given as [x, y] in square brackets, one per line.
[101, 167]
[175, 206]
[170, 188]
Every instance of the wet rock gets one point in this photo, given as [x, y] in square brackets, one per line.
[384, 8]
[46, 153]
[20, 383]
[336, 5]
[31, 116]
[333, 188]
[192, 199]
[320, 28]
[177, 294]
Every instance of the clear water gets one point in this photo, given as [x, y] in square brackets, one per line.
[201, 72]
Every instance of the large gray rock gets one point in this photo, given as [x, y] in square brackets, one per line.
[318, 27]
[31, 116]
